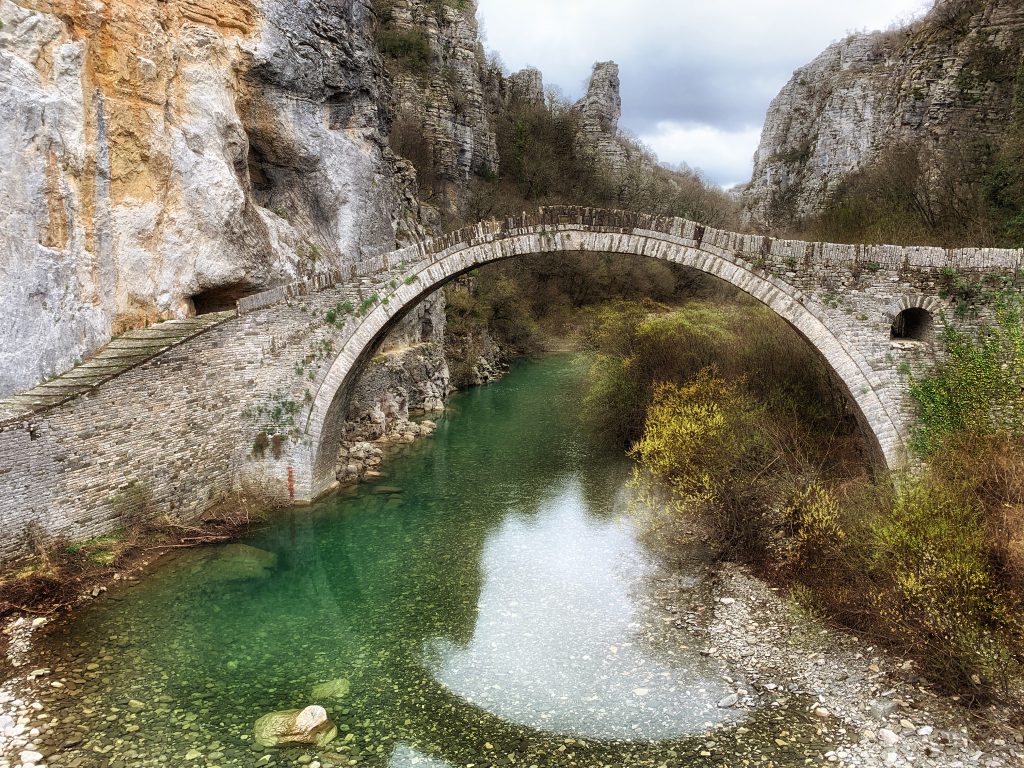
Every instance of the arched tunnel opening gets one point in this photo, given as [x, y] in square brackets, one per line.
[221, 298]
[913, 324]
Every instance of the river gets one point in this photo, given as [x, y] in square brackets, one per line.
[488, 602]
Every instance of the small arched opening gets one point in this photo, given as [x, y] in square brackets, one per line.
[913, 324]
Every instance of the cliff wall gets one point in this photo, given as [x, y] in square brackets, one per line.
[942, 85]
[160, 158]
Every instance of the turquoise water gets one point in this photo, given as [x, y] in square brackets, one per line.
[488, 603]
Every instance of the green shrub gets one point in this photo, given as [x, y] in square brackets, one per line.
[409, 49]
[937, 592]
[979, 383]
[701, 440]
[640, 344]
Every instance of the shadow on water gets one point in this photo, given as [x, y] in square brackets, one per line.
[486, 602]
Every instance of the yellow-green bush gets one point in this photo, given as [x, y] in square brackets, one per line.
[937, 591]
[702, 441]
[979, 384]
[637, 345]
[810, 529]
[695, 435]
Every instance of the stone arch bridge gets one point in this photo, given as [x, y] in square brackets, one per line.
[173, 418]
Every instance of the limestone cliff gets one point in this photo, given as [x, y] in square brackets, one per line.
[442, 93]
[599, 112]
[161, 157]
[938, 84]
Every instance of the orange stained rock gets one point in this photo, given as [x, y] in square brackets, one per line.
[131, 63]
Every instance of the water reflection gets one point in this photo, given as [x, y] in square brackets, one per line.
[405, 756]
[557, 643]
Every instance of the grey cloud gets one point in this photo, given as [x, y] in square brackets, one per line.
[716, 64]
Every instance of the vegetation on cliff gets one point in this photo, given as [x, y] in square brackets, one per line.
[543, 161]
[960, 180]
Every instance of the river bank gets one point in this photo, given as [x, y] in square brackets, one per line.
[875, 704]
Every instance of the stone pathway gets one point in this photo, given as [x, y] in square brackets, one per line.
[123, 353]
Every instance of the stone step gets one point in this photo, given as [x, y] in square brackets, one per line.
[40, 397]
[154, 334]
[97, 365]
[95, 373]
[58, 384]
[123, 354]
[155, 344]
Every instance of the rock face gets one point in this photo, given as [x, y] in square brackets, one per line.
[944, 81]
[526, 85]
[443, 101]
[298, 726]
[599, 113]
[410, 374]
[160, 158]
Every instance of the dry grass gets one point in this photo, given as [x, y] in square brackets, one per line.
[991, 469]
[59, 571]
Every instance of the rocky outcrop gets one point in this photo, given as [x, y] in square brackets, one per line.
[526, 85]
[599, 112]
[163, 157]
[409, 374]
[938, 85]
[443, 113]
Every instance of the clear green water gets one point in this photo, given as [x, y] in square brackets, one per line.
[495, 611]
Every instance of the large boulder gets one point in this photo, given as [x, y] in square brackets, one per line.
[295, 726]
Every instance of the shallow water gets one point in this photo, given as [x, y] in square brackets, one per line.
[495, 610]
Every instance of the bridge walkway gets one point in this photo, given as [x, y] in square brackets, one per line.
[121, 354]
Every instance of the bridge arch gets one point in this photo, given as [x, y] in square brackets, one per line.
[732, 258]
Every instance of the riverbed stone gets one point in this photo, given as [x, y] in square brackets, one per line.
[888, 737]
[239, 562]
[332, 690]
[880, 710]
[297, 726]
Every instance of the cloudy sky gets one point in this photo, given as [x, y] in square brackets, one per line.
[697, 75]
